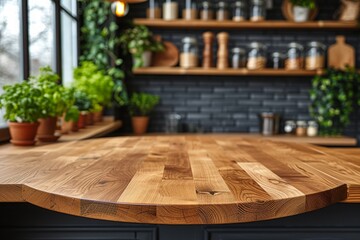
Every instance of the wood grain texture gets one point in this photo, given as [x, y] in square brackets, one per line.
[208, 179]
[213, 24]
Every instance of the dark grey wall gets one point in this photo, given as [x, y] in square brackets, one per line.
[231, 103]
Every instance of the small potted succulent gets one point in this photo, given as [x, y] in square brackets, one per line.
[83, 104]
[140, 43]
[140, 106]
[52, 100]
[23, 108]
[97, 84]
[302, 8]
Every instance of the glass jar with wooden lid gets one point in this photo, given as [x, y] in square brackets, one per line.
[189, 53]
[190, 11]
[206, 11]
[294, 56]
[315, 56]
[256, 56]
[240, 11]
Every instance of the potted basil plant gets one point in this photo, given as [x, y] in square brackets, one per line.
[23, 108]
[302, 8]
[140, 106]
[140, 43]
[83, 104]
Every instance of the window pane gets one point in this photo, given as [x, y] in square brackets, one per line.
[9, 44]
[69, 47]
[70, 6]
[41, 34]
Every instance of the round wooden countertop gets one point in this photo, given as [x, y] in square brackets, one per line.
[172, 179]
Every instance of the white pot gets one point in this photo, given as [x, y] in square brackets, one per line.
[301, 14]
[146, 59]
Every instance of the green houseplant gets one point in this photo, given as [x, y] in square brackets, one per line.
[71, 114]
[52, 100]
[23, 108]
[83, 104]
[302, 8]
[140, 43]
[140, 106]
[333, 96]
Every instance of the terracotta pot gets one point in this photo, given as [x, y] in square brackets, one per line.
[75, 126]
[90, 118]
[46, 130]
[23, 134]
[82, 120]
[98, 116]
[65, 126]
[140, 124]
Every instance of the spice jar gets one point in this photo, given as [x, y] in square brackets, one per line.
[315, 56]
[257, 10]
[206, 11]
[190, 11]
[290, 127]
[312, 129]
[170, 10]
[294, 59]
[301, 128]
[189, 54]
[222, 12]
[153, 11]
[238, 57]
[239, 11]
[277, 60]
[256, 56]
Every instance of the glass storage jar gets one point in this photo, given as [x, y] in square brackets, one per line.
[256, 56]
[294, 57]
[312, 129]
[206, 11]
[301, 128]
[153, 11]
[238, 57]
[222, 12]
[240, 11]
[190, 11]
[277, 60]
[257, 10]
[315, 56]
[290, 127]
[170, 9]
[189, 53]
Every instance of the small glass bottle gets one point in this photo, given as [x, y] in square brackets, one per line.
[189, 53]
[190, 11]
[315, 56]
[294, 57]
[170, 10]
[206, 11]
[277, 60]
[240, 11]
[256, 56]
[290, 127]
[301, 128]
[153, 11]
[257, 10]
[312, 129]
[222, 12]
[238, 58]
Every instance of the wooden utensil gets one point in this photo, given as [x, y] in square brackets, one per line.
[208, 50]
[287, 10]
[341, 54]
[222, 54]
[167, 58]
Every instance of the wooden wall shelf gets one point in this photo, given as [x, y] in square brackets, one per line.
[223, 72]
[273, 24]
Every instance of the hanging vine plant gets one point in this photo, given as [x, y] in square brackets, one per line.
[99, 43]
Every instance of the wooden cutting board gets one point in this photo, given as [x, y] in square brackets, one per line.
[167, 58]
[341, 54]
